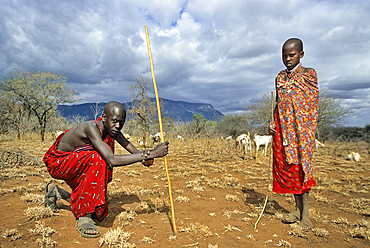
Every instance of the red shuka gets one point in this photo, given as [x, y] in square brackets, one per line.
[86, 172]
[288, 178]
[296, 120]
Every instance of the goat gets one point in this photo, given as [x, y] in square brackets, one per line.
[354, 156]
[141, 143]
[57, 133]
[244, 141]
[156, 137]
[318, 143]
[179, 137]
[262, 140]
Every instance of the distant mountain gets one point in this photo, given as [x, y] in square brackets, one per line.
[179, 110]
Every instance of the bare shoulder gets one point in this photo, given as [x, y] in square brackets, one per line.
[79, 136]
[89, 127]
[306, 69]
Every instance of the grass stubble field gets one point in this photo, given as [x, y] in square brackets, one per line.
[217, 195]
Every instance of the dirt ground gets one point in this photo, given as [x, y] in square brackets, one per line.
[218, 195]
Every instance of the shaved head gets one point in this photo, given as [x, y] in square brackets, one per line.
[296, 42]
[112, 105]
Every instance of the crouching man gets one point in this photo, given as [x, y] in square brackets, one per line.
[83, 157]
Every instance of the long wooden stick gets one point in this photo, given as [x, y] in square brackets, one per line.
[268, 171]
[161, 130]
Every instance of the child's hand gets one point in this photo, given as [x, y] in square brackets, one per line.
[272, 128]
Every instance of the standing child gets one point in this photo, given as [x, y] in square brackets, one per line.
[294, 129]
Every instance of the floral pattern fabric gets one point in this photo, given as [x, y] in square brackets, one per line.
[297, 104]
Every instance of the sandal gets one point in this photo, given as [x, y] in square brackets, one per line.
[305, 225]
[50, 199]
[290, 218]
[85, 223]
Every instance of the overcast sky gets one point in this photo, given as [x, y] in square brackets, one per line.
[226, 53]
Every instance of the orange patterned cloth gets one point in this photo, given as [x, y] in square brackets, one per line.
[86, 172]
[296, 116]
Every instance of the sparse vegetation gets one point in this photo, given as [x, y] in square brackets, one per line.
[218, 196]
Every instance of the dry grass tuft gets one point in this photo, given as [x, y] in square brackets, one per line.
[147, 240]
[38, 213]
[198, 189]
[362, 223]
[116, 238]
[115, 192]
[41, 229]
[341, 222]
[231, 198]
[126, 217]
[12, 234]
[4, 191]
[132, 173]
[180, 199]
[34, 198]
[283, 243]
[152, 205]
[316, 216]
[320, 232]
[19, 189]
[297, 231]
[358, 206]
[229, 213]
[46, 242]
[197, 229]
[230, 228]
[361, 230]
[279, 215]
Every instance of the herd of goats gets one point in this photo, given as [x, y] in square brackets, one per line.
[244, 141]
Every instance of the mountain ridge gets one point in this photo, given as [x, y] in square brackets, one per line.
[179, 110]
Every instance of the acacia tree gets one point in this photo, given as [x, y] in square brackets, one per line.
[141, 106]
[233, 125]
[39, 92]
[11, 114]
[331, 113]
[97, 110]
[259, 113]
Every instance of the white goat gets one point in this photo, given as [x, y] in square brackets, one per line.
[179, 137]
[262, 140]
[57, 133]
[244, 141]
[141, 143]
[156, 137]
[354, 156]
[318, 143]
